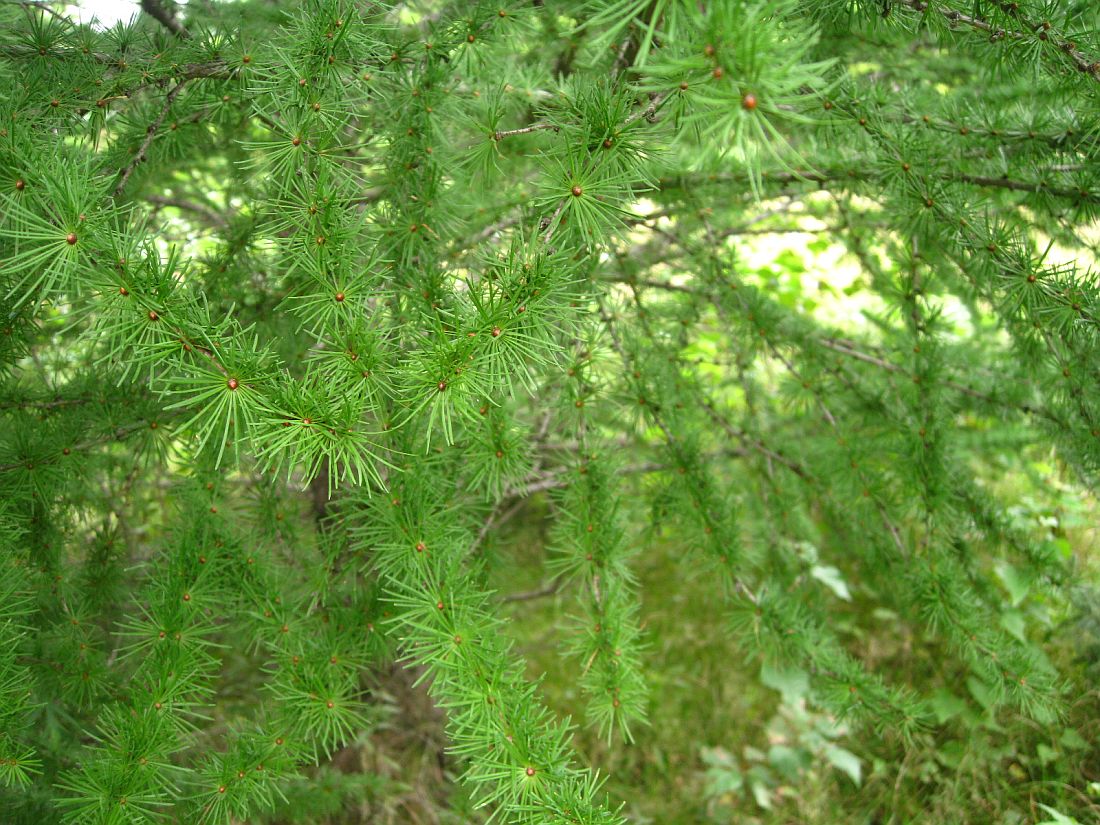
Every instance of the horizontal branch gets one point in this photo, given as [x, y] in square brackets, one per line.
[530, 595]
[526, 130]
[40, 404]
[647, 113]
[118, 434]
[209, 215]
[844, 348]
[1042, 30]
[855, 173]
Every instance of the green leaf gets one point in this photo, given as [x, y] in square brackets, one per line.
[792, 683]
[946, 705]
[762, 793]
[1013, 621]
[723, 774]
[1071, 739]
[786, 760]
[1057, 817]
[1045, 753]
[792, 262]
[982, 692]
[845, 761]
[832, 578]
[1016, 581]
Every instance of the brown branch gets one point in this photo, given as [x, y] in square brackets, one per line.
[118, 434]
[534, 127]
[529, 595]
[647, 113]
[163, 15]
[488, 232]
[28, 5]
[1060, 139]
[209, 215]
[828, 176]
[650, 111]
[1042, 30]
[628, 51]
[150, 134]
[372, 195]
[844, 348]
[35, 404]
[1024, 186]
[553, 223]
[756, 444]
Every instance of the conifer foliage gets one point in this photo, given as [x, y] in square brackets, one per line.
[302, 301]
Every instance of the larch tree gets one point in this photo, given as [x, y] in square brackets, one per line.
[302, 302]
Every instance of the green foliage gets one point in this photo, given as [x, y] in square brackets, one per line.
[301, 305]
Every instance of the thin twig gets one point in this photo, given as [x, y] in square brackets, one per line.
[650, 111]
[1043, 30]
[553, 222]
[528, 595]
[31, 4]
[150, 134]
[831, 176]
[534, 127]
[211, 216]
[118, 434]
